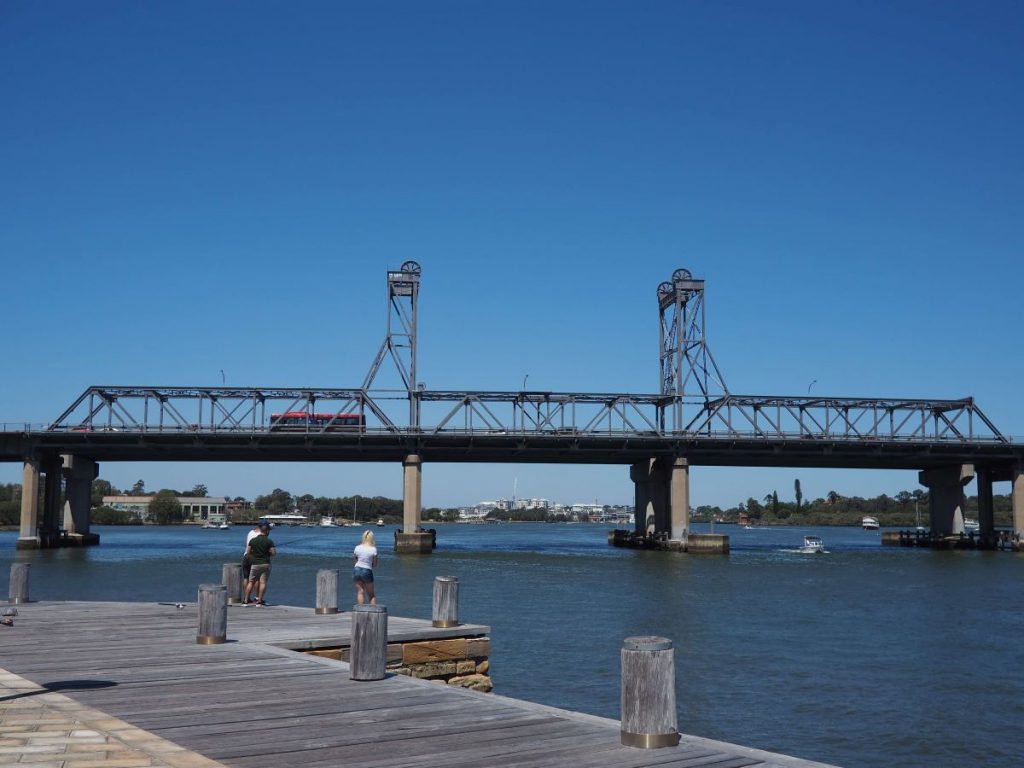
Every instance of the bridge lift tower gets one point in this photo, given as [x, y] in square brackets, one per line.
[687, 369]
[400, 346]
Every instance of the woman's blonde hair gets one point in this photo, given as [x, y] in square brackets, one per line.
[368, 538]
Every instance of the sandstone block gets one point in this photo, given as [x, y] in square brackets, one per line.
[467, 667]
[483, 667]
[478, 647]
[475, 682]
[434, 669]
[434, 650]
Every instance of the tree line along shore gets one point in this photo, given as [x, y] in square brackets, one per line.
[905, 509]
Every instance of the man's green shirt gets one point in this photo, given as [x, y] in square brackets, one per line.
[260, 547]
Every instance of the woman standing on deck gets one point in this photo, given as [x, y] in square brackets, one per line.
[365, 558]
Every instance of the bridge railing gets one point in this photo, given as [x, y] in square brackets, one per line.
[583, 415]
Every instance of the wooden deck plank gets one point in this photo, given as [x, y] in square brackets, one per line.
[248, 703]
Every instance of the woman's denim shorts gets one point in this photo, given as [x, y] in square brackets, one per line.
[362, 574]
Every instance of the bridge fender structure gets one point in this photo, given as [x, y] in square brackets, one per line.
[79, 472]
[28, 531]
[946, 494]
[1017, 497]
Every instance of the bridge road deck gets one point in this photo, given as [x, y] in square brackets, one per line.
[252, 702]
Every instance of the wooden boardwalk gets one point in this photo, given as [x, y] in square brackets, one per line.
[252, 702]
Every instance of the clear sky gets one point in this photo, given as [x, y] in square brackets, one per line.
[193, 187]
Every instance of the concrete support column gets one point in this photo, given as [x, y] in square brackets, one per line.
[986, 509]
[946, 495]
[412, 540]
[51, 522]
[412, 468]
[661, 493]
[643, 510]
[680, 499]
[79, 472]
[1017, 497]
[28, 533]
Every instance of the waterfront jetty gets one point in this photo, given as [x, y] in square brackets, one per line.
[274, 695]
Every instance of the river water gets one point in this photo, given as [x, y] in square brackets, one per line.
[864, 656]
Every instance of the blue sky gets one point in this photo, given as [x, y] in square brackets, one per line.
[193, 187]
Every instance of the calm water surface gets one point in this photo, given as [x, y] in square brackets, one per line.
[861, 657]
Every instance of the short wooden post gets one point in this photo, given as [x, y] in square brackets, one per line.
[327, 590]
[232, 579]
[18, 592]
[369, 653]
[446, 601]
[648, 693]
[213, 614]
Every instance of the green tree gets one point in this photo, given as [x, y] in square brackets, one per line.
[101, 488]
[198, 490]
[139, 489]
[109, 516]
[775, 503]
[165, 509]
[799, 494]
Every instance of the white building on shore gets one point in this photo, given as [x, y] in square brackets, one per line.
[197, 509]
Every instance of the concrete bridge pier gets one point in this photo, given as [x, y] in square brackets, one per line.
[946, 493]
[643, 509]
[1017, 497]
[986, 508]
[51, 521]
[412, 539]
[680, 496]
[660, 491]
[28, 531]
[79, 472]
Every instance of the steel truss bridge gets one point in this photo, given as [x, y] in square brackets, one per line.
[694, 416]
[233, 424]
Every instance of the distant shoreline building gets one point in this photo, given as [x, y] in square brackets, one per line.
[196, 509]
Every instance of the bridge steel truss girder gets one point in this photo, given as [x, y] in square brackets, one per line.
[149, 410]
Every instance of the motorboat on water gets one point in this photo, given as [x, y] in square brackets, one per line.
[225, 526]
[209, 526]
[327, 522]
[812, 544]
[869, 523]
[971, 525]
[380, 522]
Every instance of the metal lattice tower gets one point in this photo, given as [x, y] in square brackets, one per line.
[687, 366]
[400, 343]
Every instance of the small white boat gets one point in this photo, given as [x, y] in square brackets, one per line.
[327, 522]
[869, 523]
[209, 526]
[224, 526]
[380, 522]
[812, 544]
[971, 525]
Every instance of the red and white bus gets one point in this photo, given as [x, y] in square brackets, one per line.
[301, 421]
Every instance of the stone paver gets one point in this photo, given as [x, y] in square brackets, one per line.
[44, 729]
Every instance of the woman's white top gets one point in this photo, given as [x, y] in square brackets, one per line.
[364, 555]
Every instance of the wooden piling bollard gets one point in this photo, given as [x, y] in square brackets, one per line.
[232, 579]
[369, 653]
[648, 693]
[446, 601]
[213, 614]
[327, 591]
[18, 592]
